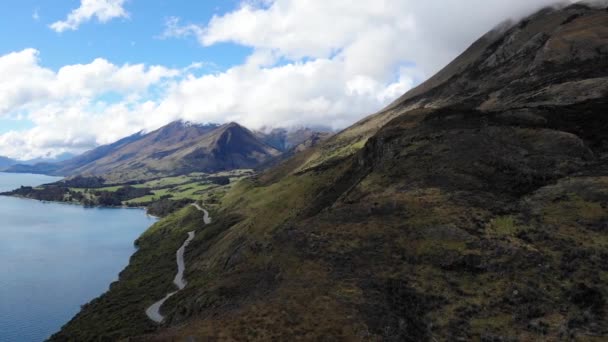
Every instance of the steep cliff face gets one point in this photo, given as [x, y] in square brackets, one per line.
[472, 208]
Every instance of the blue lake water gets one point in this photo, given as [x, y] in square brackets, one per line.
[56, 257]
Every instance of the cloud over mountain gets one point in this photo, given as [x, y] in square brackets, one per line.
[311, 62]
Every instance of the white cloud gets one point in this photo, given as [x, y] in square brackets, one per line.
[329, 62]
[372, 34]
[73, 126]
[26, 83]
[314, 92]
[68, 106]
[313, 62]
[173, 29]
[103, 10]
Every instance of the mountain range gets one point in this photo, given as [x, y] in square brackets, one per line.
[176, 149]
[6, 162]
[474, 207]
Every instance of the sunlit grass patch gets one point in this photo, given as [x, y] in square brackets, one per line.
[503, 226]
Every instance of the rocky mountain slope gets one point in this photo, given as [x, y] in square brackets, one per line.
[475, 207]
[178, 148]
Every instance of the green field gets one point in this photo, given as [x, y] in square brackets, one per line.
[109, 189]
[195, 186]
[189, 190]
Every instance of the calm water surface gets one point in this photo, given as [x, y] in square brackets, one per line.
[56, 257]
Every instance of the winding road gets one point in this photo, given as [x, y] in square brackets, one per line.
[153, 312]
[206, 217]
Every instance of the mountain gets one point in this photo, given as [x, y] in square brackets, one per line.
[285, 139]
[472, 208]
[56, 159]
[41, 163]
[68, 167]
[6, 162]
[177, 148]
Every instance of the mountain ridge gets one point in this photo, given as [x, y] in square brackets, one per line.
[186, 140]
[176, 148]
[474, 210]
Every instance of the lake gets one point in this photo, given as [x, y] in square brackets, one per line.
[56, 257]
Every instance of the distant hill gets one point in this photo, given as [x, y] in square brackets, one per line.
[285, 139]
[59, 158]
[6, 162]
[177, 148]
[68, 167]
[25, 165]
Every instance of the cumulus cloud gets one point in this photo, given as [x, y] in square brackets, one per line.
[328, 62]
[428, 33]
[315, 92]
[26, 83]
[74, 126]
[103, 10]
[313, 62]
[68, 107]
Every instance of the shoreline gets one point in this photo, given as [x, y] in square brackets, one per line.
[32, 174]
[133, 226]
[80, 204]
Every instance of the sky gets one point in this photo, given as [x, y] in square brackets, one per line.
[75, 74]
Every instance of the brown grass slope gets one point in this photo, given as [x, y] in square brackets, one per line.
[475, 209]
[181, 148]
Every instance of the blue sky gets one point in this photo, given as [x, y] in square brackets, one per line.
[125, 41]
[80, 73]
[132, 40]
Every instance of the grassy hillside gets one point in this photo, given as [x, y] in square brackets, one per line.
[474, 209]
[148, 277]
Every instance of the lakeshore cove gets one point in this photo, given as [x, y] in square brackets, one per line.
[56, 257]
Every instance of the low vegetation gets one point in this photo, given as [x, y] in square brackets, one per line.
[161, 196]
[472, 209]
[148, 278]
